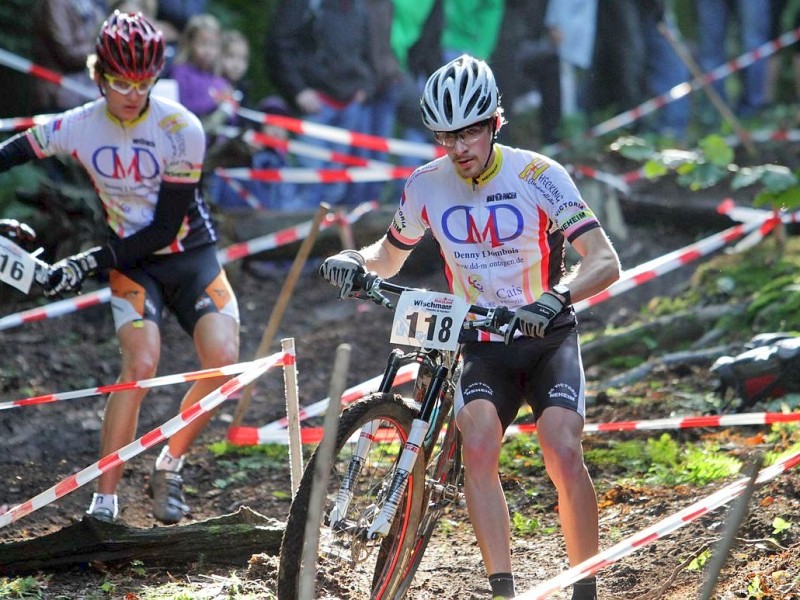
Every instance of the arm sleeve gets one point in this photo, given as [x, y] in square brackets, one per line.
[16, 151]
[173, 203]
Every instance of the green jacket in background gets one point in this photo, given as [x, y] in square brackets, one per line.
[472, 26]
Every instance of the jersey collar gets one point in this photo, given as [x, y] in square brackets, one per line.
[490, 172]
[132, 122]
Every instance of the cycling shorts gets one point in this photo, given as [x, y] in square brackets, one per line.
[540, 371]
[191, 284]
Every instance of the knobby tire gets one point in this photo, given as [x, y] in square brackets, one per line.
[380, 576]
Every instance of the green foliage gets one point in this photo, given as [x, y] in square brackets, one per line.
[522, 525]
[663, 461]
[711, 164]
[780, 526]
[521, 454]
[24, 587]
[699, 561]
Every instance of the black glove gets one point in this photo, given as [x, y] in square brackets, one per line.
[16, 231]
[341, 270]
[534, 319]
[68, 274]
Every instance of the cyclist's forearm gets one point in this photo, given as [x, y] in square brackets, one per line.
[16, 151]
[383, 258]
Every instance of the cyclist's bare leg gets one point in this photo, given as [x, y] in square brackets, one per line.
[216, 339]
[140, 345]
[559, 431]
[482, 435]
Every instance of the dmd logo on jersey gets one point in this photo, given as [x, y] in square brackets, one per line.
[460, 227]
[501, 196]
[108, 163]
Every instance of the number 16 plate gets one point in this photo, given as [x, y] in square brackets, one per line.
[428, 319]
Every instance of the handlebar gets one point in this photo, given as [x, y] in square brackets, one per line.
[369, 286]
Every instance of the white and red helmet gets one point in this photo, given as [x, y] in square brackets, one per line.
[459, 94]
[130, 47]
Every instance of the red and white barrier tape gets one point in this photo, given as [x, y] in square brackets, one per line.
[301, 175]
[18, 63]
[132, 385]
[312, 435]
[290, 234]
[241, 192]
[344, 136]
[657, 531]
[310, 150]
[234, 252]
[22, 123]
[148, 440]
[682, 89]
[56, 309]
[736, 420]
[276, 431]
[669, 262]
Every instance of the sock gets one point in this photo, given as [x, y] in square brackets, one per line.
[585, 589]
[167, 462]
[106, 501]
[502, 585]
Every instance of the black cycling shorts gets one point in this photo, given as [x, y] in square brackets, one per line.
[540, 371]
[191, 284]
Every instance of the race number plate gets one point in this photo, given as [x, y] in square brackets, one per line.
[17, 267]
[428, 320]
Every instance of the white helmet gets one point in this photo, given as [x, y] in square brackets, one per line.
[459, 94]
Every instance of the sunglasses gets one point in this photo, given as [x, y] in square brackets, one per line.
[467, 136]
[123, 86]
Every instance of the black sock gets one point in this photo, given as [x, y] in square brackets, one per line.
[502, 584]
[585, 589]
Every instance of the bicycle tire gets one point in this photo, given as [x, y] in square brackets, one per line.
[444, 468]
[378, 576]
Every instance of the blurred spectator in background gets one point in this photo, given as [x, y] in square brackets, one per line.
[416, 41]
[752, 18]
[526, 66]
[201, 88]
[277, 196]
[64, 34]
[318, 56]
[472, 27]
[173, 16]
[234, 62]
[571, 25]
[633, 62]
[785, 17]
[380, 109]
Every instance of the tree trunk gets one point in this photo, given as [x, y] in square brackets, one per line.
[229, 540]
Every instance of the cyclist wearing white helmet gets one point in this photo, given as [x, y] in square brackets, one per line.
[502, 217]
[144, 155]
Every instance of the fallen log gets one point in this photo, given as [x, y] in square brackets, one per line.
[228, 540]
[664, 333]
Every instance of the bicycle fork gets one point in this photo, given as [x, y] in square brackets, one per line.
[405, 465]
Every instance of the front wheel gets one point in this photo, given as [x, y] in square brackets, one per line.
[346, 559]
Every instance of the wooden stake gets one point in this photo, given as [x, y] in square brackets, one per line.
[673, 37]
[280, 306]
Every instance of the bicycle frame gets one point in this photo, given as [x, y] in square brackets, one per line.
[434, 388]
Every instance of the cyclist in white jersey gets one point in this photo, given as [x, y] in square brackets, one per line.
[501, 216]
[144, 155]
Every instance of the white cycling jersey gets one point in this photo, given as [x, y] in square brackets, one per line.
[128, 161]
[501, 236]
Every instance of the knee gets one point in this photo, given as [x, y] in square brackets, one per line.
[225, 352]
[141, 366]
[481, 454]
[563, 463]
